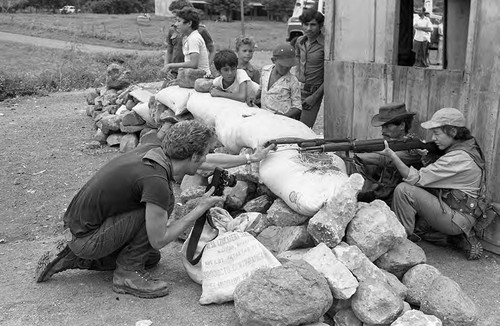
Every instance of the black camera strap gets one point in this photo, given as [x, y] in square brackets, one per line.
[195, 238]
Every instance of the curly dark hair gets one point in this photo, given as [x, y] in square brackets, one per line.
[457, 133]
[187, 138]
[190, 14]
[310, 14]
[224, 58]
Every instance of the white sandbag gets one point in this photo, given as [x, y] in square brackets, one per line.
[194, 271]
[228, 260]
[141, 95]
[207, 108]
[304, 181]
[142, 109]
[175, 98]
[257, 129]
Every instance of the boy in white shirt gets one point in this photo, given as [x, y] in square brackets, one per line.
[193, 46]
[232, 83]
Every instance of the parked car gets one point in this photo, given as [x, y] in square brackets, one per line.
[67, 10]
[294, 26]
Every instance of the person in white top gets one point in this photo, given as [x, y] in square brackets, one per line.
[193, 46]
[233, 83]
[421, 39]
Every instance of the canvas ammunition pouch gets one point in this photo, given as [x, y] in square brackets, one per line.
[480, 209]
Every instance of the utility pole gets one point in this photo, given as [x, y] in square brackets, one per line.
[242, 18]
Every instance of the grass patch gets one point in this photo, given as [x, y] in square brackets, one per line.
[29, 70]
[123, 30]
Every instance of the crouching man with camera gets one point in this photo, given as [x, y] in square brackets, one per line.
[118, 220]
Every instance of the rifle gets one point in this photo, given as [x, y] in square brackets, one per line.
[357, 146]
[303, 143]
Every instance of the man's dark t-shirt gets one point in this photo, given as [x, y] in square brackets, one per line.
[124, 184]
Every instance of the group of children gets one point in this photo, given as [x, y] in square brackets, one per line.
[274, 88]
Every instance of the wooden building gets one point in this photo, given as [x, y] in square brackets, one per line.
[368, 63]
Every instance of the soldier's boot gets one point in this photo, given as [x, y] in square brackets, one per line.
[59, 259]
[138, 283]
[470, 244]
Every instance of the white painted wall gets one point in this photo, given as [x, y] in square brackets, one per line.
[161, 8]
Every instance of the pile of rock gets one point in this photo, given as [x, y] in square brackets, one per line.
[124, 113]
[350, 264]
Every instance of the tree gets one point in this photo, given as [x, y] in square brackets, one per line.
[227, 7]
[12, 5]
[279, 8]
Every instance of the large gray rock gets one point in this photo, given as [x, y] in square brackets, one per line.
[292, 294]
[358, 263]
[328, 225]
[128, 142]
[340, 279]
[236, 196]
[446, 300]
[131, 129]
[294, 254]
[346, 317]
[114, 139]
[401, 258]
[418, 279]
[109, 123]
[375, 229]
[375, 303]
[130, 118]
[416, 318]
[398, 288]
[281, 215]
[260, 204]
[278, 239]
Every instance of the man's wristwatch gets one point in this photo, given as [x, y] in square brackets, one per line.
[248, 158]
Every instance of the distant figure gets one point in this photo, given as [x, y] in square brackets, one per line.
[441, 43]
[174, 53]
[245, 46]
[309, 49]
[421, 39]
[193, 46]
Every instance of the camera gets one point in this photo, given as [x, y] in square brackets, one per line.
[220, 180]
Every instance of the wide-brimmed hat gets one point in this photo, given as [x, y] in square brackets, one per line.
[445, 116]
[285, 55]
[390, 112]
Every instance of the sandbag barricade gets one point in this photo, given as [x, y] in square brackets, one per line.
[305, 187]
[175, 98]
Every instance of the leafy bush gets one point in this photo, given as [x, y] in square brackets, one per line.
[78, 70]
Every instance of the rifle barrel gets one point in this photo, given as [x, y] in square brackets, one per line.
[374, 145]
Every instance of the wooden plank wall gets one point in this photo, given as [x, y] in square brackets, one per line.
[356, 91]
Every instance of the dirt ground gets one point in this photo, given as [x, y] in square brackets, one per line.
[44, 162]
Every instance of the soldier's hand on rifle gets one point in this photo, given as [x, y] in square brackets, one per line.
[208, 201]
[387, 150]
